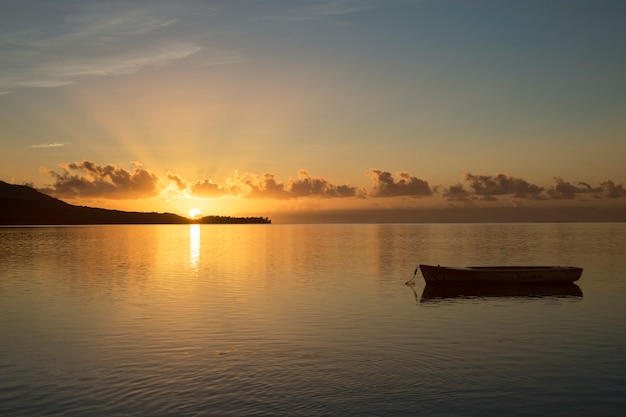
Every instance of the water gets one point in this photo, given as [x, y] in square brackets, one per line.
[306, 320]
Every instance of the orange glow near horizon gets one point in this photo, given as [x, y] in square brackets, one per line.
[194, 212]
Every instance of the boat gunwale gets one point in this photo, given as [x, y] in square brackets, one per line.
[501, 267]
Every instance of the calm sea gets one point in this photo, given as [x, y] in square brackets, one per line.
[307, 320]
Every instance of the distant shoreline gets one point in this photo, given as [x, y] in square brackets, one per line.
[231, 220]
[21, 205]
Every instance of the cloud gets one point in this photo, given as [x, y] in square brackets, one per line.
[612, 190]
[456, 193]
[100, 23]
[48, 145]
[100, 39]
[123, 63]
[313, 10]
[305, 185]
[488, 186]
[386, 186]
[318, 9]
[256, 186]
[564, 190]
[207, 188]
[265, 186]
[180, 183]
[88, 179]
[50, 72]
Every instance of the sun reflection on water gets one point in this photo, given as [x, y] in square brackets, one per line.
[194, 246]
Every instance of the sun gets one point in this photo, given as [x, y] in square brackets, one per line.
[194, 212]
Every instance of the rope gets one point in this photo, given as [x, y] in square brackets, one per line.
[414, 275]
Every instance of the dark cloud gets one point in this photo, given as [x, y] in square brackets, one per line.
[88, 179]
[612, 190]
[386, 186]
[267, 186]
[456, 193]
[488, 186]
[307, 186]
[587, 186]
[563, 190]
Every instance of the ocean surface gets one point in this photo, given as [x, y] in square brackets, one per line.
[307, 320]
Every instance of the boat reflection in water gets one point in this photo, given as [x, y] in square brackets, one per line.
[433, 292]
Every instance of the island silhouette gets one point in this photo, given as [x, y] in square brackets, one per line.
[23, 205]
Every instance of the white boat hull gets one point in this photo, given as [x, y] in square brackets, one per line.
[500, 274]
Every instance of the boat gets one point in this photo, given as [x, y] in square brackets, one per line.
[500, 274]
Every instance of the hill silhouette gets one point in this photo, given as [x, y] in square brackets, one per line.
[23, 205]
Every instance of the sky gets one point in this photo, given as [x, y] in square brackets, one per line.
[263, 107]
